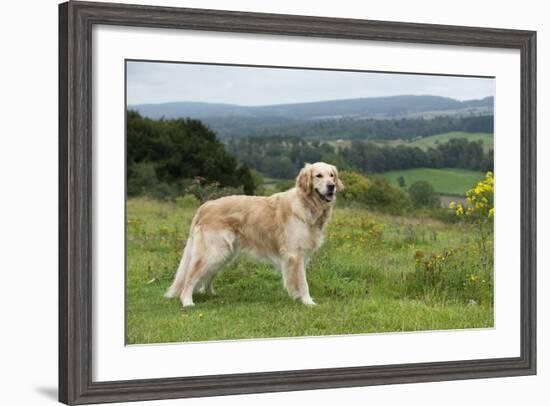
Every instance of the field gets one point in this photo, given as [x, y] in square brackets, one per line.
[431, 141]
[425, 142]
[375, 273]
[449, 181]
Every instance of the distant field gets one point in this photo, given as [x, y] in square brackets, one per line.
[449, 181]
[426, 142]
[434, 140]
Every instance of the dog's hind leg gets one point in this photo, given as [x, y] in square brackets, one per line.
[212, 252]
[206, 284]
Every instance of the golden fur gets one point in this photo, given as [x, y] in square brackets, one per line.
[286, 228]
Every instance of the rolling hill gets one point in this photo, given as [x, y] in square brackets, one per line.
[371, 107]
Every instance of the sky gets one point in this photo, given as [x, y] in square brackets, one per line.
[162, 82]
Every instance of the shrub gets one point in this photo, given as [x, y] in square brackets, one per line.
[480, 211]
[141, 178]
[374, 191]
[258, 180]
[455, 274]
[187, 201]
[205, 191]
[423, 194]
[385, 197]
[401, 182]
[356, 186]
[284, 185]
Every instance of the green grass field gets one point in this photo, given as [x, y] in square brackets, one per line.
[374, 273]
[433, 140]
[450, 181]
[426, 142]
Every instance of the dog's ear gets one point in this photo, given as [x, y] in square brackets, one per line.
[339, 184]
[303, 180]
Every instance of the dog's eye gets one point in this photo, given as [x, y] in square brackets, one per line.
[332, 175]
[318, 175]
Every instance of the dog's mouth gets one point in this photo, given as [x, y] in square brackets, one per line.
[328, 196]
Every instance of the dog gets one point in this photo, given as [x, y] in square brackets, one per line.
[286, 228]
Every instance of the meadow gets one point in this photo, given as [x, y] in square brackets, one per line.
[424, 143]
[375, 273]
[431, 141]
[448, 181]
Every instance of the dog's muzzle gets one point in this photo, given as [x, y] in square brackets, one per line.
[329, 195]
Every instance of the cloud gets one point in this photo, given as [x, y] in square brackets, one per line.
[158, 82]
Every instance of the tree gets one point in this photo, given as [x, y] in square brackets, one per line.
[163, 154]
[423, 194]
[401, 182]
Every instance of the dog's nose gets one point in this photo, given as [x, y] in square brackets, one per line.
[331, 187]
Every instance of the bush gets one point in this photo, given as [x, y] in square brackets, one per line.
[384, 197]
[284, 185]
[423, 194]
[141, 178]
[205, 191]
[401, 182]
[258, 180]
[480, 211]
[356, 186]
[187, 201]
[455, 274]
[374, 191]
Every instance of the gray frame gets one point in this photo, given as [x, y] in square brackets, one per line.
[76, 20]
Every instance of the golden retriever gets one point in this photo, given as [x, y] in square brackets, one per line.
[285, 228]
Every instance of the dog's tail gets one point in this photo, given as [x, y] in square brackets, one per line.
[177, 285]
[179, 279]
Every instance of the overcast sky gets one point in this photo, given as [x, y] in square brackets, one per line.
[152, 82]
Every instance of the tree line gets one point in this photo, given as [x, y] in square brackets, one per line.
[163, 156]
[282, 157]
[349, 128]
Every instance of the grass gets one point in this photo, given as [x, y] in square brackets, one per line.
[450, 181]
[433, 140]
[425, 142]
[360, 279]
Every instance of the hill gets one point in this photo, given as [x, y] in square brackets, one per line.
[371, 107]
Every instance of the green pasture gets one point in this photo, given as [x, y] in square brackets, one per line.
[449, 181]
[374, 273]
[434, 140]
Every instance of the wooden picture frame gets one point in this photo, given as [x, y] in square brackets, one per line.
[76, 20]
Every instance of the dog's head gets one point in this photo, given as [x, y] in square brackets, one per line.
[319, 180]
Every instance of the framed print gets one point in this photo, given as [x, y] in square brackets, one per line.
[258, 202]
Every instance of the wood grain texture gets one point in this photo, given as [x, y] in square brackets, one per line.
[76, 20]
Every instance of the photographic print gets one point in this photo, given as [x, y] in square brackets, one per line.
[269, 202]
[307, 209]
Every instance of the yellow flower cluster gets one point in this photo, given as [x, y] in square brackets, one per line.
[433, 261]
[480, 200]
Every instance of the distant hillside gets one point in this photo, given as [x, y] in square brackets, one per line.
[373, 107]
[431, 141]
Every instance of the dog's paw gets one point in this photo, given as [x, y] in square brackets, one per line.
[308, 301]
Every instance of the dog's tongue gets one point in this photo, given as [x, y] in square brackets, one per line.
[329, 197]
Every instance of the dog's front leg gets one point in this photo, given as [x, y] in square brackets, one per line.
[294, 277]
